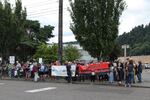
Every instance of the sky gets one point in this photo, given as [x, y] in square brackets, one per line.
[46, 12]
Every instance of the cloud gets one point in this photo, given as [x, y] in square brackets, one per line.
[137, 13]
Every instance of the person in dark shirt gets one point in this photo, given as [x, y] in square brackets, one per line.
[69, 73]
[130, 73]
[139, 71]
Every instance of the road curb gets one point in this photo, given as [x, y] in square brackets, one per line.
[87, 83]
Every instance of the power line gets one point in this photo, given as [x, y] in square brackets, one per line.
[46, 11]
[43, 10]
[47, 1]
[35, 16]
[42, 4]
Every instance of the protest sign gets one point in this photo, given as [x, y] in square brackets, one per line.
[62, 71]
[11, 59]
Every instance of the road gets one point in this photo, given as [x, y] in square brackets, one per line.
[25, 90]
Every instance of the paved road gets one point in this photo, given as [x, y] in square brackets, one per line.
[146, 75]
[22, 90]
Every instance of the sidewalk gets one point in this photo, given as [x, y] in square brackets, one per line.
[144, 84]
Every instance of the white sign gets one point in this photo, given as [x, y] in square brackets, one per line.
[62, 71]
[40, 60]
[0, 58]
[12, 59]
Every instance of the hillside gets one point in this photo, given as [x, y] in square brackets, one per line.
[138, 39]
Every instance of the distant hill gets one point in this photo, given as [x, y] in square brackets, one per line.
[138, 39]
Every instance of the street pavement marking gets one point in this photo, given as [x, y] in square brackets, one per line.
[2, 83]
[40, 90]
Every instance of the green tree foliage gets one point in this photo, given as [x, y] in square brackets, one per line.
[95, 24]
[116, 52]
[50, 52]
[12, 22]
[71, 53]
[54, 52]
[42, 51]
[34, 36]
[19, 36]
[138, 39]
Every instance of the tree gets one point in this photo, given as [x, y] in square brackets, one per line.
[138, 39]
[34, 36]
[18, 36]
[95, 24]
[43, 51]
[48, 53]
[12, 22]
[71, 53]
[116, 52]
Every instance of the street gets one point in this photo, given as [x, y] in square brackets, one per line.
[25, 90]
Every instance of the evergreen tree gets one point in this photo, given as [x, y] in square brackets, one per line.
[95, 24]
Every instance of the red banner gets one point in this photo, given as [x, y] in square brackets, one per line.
[94, 67]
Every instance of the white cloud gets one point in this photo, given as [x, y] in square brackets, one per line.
[137, 13]
[51, 17]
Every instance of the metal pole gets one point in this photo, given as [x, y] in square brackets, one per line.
[60, 31]
[125, 52]
[125, 46]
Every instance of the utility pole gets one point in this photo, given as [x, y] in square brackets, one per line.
[125, 46]
[60, 31]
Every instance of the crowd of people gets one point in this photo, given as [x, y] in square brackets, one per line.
[32, 70]
[27, 70]
[119, 72]
[129, 72]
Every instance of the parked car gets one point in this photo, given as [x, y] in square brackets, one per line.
[147, 66]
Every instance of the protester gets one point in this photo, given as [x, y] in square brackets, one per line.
[130, 73]
[77, 72]
[35, 71]
[4, 71]
[111, 73]
[135, 72]
[10, 67]
[69, 73]
[139, 71]
[18, 68]
[31, 70]
[120, 72]
[93, 76]
[27, 71]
